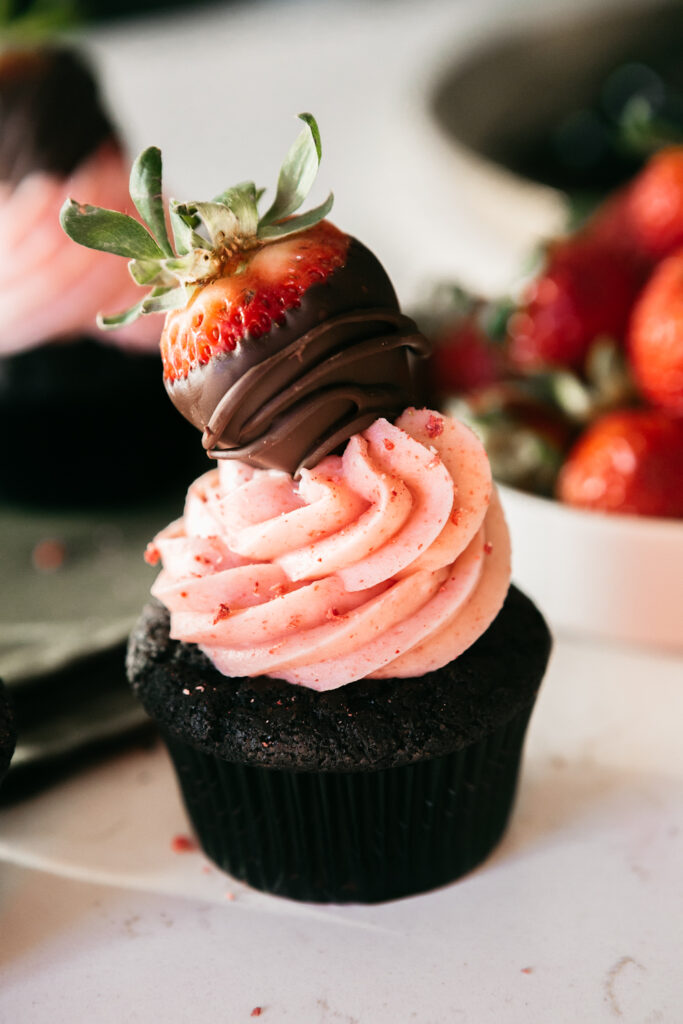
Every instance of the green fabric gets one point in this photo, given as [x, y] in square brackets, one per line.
[63, 633]
[88, 603]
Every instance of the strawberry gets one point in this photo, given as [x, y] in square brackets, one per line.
[653, 212]
[464, 358]
[586, 291]
[270, 281]
[655, 342]
[283, 335]
[630, 461]
[644, 220]
[592, 279]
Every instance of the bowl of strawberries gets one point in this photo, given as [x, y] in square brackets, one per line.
[575, 384]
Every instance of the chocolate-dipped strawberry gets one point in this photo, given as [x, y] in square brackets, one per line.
[283, 335]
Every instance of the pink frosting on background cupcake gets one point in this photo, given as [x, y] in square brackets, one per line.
[50, 287]
[389, 560]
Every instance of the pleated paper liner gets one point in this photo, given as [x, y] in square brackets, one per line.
[363, 836]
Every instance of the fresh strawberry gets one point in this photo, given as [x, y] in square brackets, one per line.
[653, 212]
[644, 220]
[586, 291]
[591, 280]
[607, 225]
[656, 336]
[253, 292]
[464, 358]
[630, 461]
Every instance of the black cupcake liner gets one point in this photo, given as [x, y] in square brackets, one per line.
[364, 836]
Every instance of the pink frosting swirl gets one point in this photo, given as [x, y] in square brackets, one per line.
[389, 560]
[51, 288]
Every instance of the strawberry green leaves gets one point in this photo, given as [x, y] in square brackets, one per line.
[108, 231]
[163, 300]
[145, 191]
[159, 300]
[294, 224]
[206, 235]
[297, 175]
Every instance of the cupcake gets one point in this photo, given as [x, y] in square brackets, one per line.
[334, 655]
[79, 403]
[7, 735]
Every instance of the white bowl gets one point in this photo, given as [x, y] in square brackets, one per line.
[608, 576]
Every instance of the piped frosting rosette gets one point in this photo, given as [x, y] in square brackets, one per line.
[389, 560]
[51, 288]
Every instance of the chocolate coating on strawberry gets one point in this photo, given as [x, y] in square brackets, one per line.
[51, 114]
[328, 367]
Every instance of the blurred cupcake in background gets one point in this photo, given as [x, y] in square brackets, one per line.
[76, 399]
[91, 447]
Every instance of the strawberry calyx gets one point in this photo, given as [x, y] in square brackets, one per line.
[210, 239]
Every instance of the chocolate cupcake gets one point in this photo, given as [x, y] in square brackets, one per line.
[364, 793]
[339, 668]
[7, 733]
[64, 395]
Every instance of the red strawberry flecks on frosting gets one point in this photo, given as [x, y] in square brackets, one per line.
[383, 586]
[152, 554]
[234, 306]
[434, 426]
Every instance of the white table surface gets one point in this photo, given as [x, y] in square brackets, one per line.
[578, 915]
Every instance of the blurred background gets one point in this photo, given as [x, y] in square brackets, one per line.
[447, 126]
[457, 135]
[424, 109]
